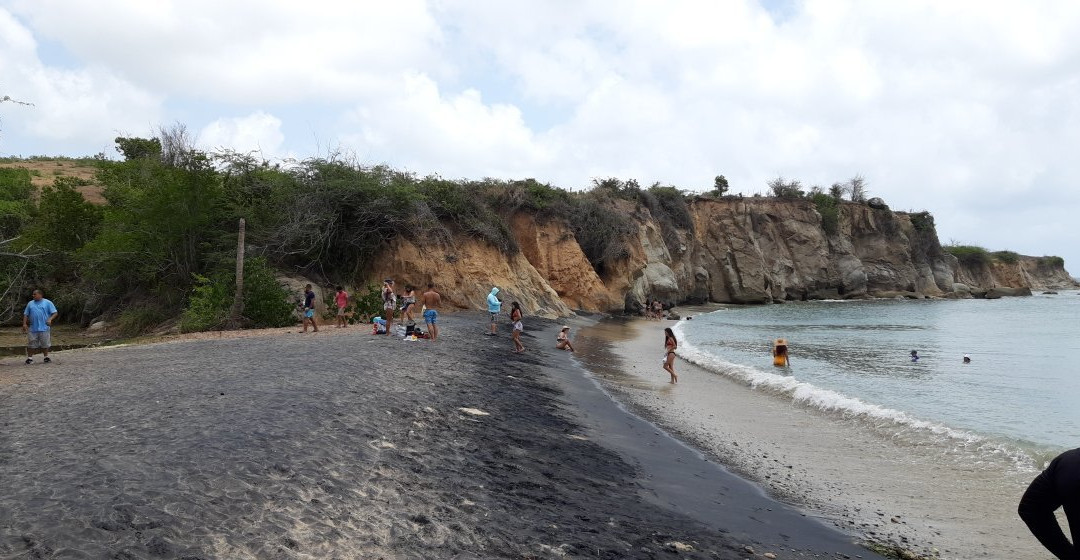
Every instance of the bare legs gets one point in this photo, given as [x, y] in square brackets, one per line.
[669, 366]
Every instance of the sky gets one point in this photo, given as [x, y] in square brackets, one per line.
[967, 108]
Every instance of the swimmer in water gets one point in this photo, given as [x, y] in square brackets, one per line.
[914, 355]
[967, 359]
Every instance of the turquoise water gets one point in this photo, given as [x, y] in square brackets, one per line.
[1020, 393]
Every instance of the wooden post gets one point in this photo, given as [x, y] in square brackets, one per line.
[238, 300]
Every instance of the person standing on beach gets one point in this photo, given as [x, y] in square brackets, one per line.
[389, 303]
[670, 344]
[341, 299]
[494, 307]
[515, 318]
[309, 308]
[431, 301]
[408, 300]
[37, 324]
[1057, 486]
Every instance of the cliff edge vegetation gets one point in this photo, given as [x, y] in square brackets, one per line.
[152, 237]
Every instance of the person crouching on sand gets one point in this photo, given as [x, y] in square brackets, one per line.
[562, 342]
[780, 353]
[515, 317]
[670, 344]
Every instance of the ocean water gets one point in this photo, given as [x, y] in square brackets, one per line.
[1018, 398]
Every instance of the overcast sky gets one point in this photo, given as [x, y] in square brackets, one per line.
[968, 109]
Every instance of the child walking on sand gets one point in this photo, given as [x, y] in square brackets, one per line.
[670, 344]
[515, 317]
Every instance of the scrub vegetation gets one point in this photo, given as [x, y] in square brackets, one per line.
[152, 236]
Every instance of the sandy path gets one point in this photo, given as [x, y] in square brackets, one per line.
[336, 445]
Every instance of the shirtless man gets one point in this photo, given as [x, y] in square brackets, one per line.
[431, 301]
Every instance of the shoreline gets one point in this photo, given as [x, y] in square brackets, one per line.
[352, 445]
[827, 464]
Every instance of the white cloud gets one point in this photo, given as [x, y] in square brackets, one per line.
[968, 108]
[69, 106]
[456, 136]
[258, 132]
[245, 52]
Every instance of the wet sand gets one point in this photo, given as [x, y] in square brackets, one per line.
[890, 489]
[346, 445]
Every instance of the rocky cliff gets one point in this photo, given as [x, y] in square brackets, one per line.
[734, 250]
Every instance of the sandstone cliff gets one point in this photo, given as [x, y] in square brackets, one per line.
[735, 250]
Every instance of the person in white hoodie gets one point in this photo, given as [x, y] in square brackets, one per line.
[494, 307]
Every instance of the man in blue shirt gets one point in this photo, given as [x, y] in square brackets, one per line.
[37, 320]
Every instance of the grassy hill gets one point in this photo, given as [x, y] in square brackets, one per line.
[44, 170]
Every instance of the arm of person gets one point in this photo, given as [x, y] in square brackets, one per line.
[51, 317]
[25, 321]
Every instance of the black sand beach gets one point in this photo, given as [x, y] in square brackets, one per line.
[346, 445]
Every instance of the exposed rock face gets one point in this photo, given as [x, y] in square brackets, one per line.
[465, 271]
[738, 250]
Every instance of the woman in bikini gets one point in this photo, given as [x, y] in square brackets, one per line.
[515, 317]
[562, 342]
[407, 303]
[670, 344]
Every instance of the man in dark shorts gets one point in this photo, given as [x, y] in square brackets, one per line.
[1057, 486]
[37, 324]
[431, 301]
[309, 308]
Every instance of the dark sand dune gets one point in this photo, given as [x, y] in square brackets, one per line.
[335, 445]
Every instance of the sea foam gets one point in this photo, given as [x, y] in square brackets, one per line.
[896, 423]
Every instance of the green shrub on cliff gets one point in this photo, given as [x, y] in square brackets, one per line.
[829, 209]
[1007, 257]
[1051, 261]
[969, 255]
[781, 188]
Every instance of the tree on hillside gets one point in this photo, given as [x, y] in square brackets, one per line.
[857, 187]
[837, 191]
[720, 186]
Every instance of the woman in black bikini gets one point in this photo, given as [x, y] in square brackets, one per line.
[515, 317]
[670, 344]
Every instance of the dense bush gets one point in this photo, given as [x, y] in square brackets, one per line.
[829, 208]
[16, 207]
[1052, 261]
[781, 188]
[969, 255]
[1007, 257]
[140, 319]
[266, 301]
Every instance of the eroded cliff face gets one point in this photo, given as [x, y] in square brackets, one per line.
[738, 250]
[1033, 273]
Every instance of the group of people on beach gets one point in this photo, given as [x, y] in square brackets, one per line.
[430, 301]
